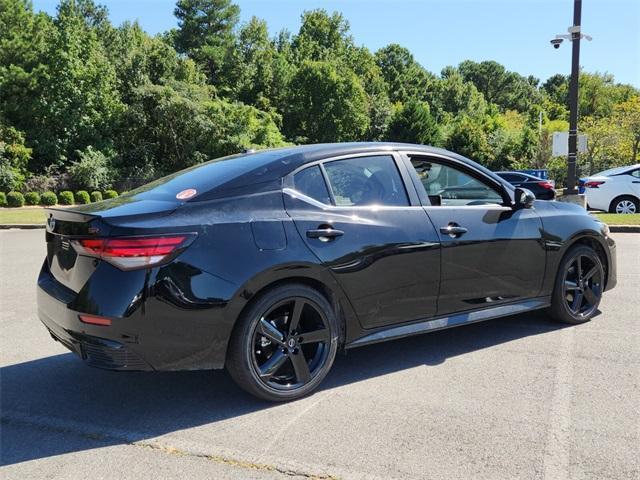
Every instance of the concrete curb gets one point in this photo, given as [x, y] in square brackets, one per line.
[24, 226]
[624, 228]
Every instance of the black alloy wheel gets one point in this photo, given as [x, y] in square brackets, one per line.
[579, 286]
[285, 344]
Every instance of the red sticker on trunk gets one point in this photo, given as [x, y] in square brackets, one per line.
[186, 194]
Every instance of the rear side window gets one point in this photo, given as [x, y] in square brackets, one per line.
[366, 181]
[311, 183]
[511, 177]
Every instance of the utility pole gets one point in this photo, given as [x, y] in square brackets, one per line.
[575, 35]
[573, 98]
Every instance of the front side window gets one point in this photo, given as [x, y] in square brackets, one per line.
[310, 182]
[452, 186]
[366, 181]
[636, 173]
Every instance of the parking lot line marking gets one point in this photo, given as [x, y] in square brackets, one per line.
[556, 457]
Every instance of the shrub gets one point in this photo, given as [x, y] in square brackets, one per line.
[92, 170]
[66, 198]
[32, 198]
[82, 197]
[15, 199]
[110, 194]
[3, 199]
[48, 198]
[96, 196]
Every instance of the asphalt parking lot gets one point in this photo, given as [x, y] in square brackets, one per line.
[519, 397]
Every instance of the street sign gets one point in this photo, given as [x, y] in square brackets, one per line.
[560, 145]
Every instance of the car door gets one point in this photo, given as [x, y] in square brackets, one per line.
[359, 219]
[634, 182]
[491, 253]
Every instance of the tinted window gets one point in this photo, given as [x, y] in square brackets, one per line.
[635, 173]
[311, 183]
[366, 181]
[512, 177]
[452, 185]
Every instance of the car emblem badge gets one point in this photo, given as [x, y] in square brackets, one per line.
[291, 342]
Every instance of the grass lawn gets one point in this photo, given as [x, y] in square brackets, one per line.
[617, 219]
[21, 215]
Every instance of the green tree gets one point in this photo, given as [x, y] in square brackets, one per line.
[413, 123]
[14, 159]
[327, 104]
[322, 37]
[405, 78]
[452, 95]
[177, 125]
[627, 115]
[253, 64]
[205, 33]
[468, 138]
[508, 90]
[78, 102]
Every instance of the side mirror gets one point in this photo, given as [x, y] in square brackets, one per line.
[523, 198]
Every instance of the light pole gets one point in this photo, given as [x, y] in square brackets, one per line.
[574, 36]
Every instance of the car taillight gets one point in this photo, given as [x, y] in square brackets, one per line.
[592, 184]
[128, 253]
[547, 185]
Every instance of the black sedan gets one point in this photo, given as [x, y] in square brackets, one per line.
[542, 189]
[268, 263]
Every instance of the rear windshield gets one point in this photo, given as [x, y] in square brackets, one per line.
[192, 182]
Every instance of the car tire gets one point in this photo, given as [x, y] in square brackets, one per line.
[579, 285]
[624, 204]
[270, 357]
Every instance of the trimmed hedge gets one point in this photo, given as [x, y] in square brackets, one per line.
[3, 199]
[32, 198]
[96, 196]
[110, 194]
[48, 199]
[15, 199]
[66, 198]
[82, 197]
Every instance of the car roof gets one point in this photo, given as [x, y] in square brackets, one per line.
[273, 164]
[264, 169]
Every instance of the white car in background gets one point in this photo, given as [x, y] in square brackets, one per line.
[616, 190]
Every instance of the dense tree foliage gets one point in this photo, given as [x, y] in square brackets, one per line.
[88, 105]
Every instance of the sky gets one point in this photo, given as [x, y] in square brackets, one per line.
[515, 33]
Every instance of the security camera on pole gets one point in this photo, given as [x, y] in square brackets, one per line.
[574, 36]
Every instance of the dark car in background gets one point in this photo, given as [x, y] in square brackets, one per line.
[268, 263]
[542, 189]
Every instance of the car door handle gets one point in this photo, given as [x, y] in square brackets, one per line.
[325, 234]
[453, 230]
[635, 181]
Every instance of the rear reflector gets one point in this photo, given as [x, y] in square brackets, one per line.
[592, 184]
[93, 320]
[129, 253]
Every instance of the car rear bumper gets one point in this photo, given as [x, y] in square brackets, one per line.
[86, 341]
[165, 326]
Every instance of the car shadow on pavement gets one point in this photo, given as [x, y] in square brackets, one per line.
[60, 394]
